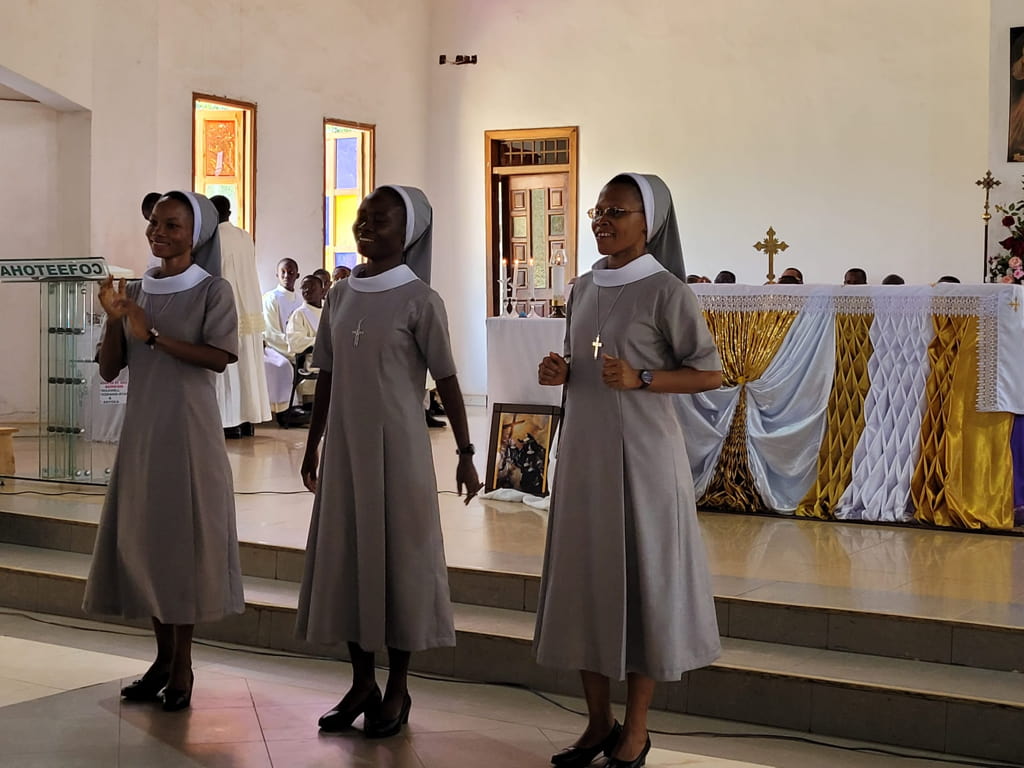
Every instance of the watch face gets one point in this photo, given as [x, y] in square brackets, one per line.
[646, 377]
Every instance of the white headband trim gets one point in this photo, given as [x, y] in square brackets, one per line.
[647, 195]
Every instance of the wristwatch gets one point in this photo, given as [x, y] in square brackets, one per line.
[469, 450]
[646, 377]
[153, 335]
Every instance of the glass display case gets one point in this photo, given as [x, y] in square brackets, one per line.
[79, 414]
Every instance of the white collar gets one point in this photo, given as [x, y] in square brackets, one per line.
[307, 307]
[637, 269]
[281, 289]
[385, 281]
[190, 278]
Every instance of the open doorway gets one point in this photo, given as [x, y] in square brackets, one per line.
[348, 178]
[224, 155]
[531, 215]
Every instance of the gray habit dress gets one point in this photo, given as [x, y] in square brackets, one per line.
[626, 585]
[167, 544]
[375, 568]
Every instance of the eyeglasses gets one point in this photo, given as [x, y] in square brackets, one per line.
[611, 213]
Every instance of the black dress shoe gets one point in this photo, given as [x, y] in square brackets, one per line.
[575, 757]
[342, 717]
[382, 729]
[176, 699]
[436, 409]
[147, 687]
[641, 759]
[233, 433]
[433, 423]
[248, 430]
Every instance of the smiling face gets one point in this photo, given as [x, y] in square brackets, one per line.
[625, 236]
[170, 229]
[312, 290]
[287, 274]
[380, 226]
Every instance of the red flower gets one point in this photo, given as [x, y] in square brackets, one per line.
[1008, 221]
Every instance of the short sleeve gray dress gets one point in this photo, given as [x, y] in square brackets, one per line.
[167, 545]
[626, 586]
[375, 569]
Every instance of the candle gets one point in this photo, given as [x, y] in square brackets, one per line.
[532, 280]
[503, 272]
[558, 281]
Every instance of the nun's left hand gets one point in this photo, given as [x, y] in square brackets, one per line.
[618, 374]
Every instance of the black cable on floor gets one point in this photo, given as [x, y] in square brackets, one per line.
[540, 695]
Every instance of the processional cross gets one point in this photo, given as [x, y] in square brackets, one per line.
[771, 246]
[986, 182]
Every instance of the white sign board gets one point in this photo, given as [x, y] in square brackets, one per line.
[35, 270]
[114, 392]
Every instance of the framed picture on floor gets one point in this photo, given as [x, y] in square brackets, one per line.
[520, 447]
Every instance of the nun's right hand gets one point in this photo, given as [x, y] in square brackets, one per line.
[309, 468]
[553, 370]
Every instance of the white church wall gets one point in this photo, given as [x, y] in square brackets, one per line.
[855, 127]
[28, 202]
[135, 64]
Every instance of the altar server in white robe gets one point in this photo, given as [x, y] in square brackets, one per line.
[626, 591]
[278, 305]
[242, 389]
[303, 324]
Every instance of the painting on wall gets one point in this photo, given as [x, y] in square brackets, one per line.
[1015, 145]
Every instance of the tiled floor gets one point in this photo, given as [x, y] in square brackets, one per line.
[256, 710]
[905, 570]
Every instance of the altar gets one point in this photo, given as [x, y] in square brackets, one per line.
[872, 403]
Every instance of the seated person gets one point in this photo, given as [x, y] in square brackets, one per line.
[855, 276]
[341, 272]
[302, 325]
[791, 276]
[725, 276]
[948, 279]
[278, 305]
[893, 279]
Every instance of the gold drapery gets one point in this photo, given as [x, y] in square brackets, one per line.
[844, 420]
[747, 343]
[964, 476]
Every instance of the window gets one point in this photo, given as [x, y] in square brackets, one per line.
[224, 154]
[348, 178]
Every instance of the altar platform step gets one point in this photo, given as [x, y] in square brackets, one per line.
[941, 707]
[990, 635]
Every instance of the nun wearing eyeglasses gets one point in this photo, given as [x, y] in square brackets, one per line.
[626, 592]
[167, 548]
[375, 573]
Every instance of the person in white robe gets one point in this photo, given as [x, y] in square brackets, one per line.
[303, 324]
[278, 305]
[242, 395]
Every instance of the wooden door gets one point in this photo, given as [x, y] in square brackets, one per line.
[534, 226]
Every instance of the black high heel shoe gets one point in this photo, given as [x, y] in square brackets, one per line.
[638, 762]
[382, 729]
[176, 699]
[340, 718]
[575, 757]
[147, 687]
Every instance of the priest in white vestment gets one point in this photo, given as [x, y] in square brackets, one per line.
[242, 389]
[278, 305]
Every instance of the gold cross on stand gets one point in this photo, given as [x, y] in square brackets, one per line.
[771, 246]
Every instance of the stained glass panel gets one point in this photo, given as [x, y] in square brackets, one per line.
[556, 225]
[519, 226]
[538, 237]
[219, 143]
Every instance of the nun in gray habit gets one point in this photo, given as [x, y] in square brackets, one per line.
[167, 547]
[626, 592]
[375, 574]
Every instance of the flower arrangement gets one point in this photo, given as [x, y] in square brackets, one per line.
[1008, 266]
